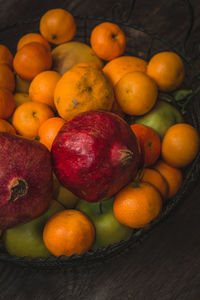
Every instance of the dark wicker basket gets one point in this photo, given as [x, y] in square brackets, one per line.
[153, 44]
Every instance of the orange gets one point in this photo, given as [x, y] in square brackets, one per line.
[7, 103]
[180, 145]
[137, 206]
[172, 175]
[42, 87]
[155, 178]
[118, 67]
[108, 40]
[81, 89]
[6, 56]
[167, 70]
[48, 131]
[7, 78]
[136, 93]
[29, 116]
[68, 232]
[6, 127]
[32, 37]
[32, 59]
[149, 141]
[57, 26]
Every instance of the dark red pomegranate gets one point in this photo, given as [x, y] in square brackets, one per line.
[95, 155]
[25, 180]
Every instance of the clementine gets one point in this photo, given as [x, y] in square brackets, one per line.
[7, 104]
[136, 206]
[7, 78]
[108, 40]
[6, 56]
[42, 87]
[48, 131]
[167, 70]
[5, 126]
[32, 59]
[180, 145]
[32, 37]
[28, 117]
[136, 93]
[68, 232]
[57, 26]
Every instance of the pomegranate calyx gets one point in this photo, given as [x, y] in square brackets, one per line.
[18, 188]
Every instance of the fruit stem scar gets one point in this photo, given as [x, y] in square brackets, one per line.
[54, 36]
[75, 102]
[34, 114]
[18, 188]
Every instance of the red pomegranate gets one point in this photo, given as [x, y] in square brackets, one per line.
[95, 155]
[25, 180]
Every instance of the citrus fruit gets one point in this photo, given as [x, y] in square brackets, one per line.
[6, 56]
[7, 103]
[7, 78]
[32, 37]
[5, 126]
[68, 232]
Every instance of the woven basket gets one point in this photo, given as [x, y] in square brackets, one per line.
[153, 44]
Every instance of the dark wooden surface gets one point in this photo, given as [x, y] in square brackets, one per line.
[166, 264]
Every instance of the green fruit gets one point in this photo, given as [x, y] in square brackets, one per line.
[21, 85]
[21, 98]
[66, 198]
[108, 229]
[27, 239]
[161, 117]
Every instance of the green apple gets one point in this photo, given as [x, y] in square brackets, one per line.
[161, 117]
[108, 229]
[27, 239]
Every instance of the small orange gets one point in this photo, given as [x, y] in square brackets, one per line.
[136, 93]
[68, 232]
[6, 56]
[5, 126]
[29, 116]
[150, 143]
[42, 87]
[32, 59]
[57, 26]
[167, 70]
[81, 89]
[172, 175]
[180, 145]
[155, 178]
[108, 40]
[32, 37]
[137, 206]
[48, 131]
[7, 78]
[7, 104]
[118, 67]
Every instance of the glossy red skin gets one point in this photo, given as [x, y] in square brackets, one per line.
[87, 158]
[30, 161]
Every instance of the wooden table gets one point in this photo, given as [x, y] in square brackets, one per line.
[166, 264]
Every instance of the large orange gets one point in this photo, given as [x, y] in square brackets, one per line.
[42, 87]
[48, 131]
[167, 70]
[108, 40]
[180, 145]
[118, 67]
[68, 232]
[137, 206]
[81, 89]
[136, 93]
[6, 56]
[29, 116]
[7, 103]
[32, 59]
[57, 26]
[173, 176]
[7, 78]
[32, 37]
[5, 126]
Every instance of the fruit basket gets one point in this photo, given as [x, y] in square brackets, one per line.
[153, 43]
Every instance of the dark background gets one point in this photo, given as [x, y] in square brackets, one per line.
[166, 264]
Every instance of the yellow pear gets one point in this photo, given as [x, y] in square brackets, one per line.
[67, 55]
[21, 98]
[21, 85]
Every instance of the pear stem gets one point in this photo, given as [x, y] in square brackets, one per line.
[136, 182]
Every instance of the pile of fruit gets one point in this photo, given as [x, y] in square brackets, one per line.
[88, 149]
